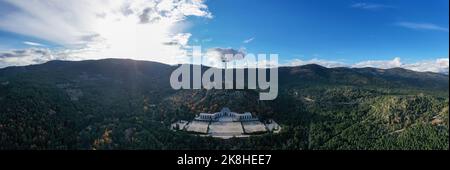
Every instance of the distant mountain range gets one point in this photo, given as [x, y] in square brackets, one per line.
[311, 73]
[120, 103]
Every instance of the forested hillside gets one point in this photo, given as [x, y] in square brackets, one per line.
[126, 104]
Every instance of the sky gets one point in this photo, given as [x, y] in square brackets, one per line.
[412, 34]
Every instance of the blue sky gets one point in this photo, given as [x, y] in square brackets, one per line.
[327, 29]
[356, 33]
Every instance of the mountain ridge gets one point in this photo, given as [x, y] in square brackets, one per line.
[306, 74]
[155, 62]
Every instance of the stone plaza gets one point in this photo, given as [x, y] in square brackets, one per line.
[226, 124]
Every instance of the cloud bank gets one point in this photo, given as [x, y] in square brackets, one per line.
[439, 65]
[25, 57]
[216, 56]
[383, 64]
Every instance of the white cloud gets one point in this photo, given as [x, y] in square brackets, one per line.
[369, 6]
[248, 40]
[421, 26]
[139, 29]
[383, 64]
[440, 65]
[64, 22]
[33, 43]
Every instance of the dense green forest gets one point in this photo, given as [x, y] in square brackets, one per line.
[126, 104]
